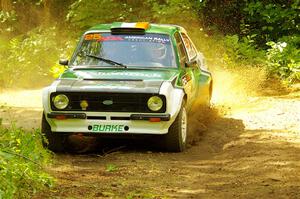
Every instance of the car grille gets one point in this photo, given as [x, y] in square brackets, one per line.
[122, 102]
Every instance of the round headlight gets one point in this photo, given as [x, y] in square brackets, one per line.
[61, 101]
[155, 103]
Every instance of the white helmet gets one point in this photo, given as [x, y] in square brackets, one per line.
[159, 51]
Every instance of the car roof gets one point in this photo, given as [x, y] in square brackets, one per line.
[153, 28]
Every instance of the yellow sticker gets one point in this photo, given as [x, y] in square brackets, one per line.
[142, 25]
[97, 37]
[92, 37]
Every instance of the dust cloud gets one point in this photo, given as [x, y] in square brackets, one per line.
[21, 98]
[232, 90]
[234, 87]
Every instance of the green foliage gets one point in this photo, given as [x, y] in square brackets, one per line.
[221, 15]
[8, 21]
[168, 11]
[27, 59]
[254, 26]
[29, 49]
[84, 14]
[56, 70]
[269, 20]
[111, 168]
[22, 159]
[242, 51]
[14, 18]
[284, 60]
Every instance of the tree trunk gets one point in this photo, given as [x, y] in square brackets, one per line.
[47, 15]
[6, 5]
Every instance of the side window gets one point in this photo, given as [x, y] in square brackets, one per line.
[191, 51]
[181, 50]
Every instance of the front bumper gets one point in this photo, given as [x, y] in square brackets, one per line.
[110, 123]
[152, 117]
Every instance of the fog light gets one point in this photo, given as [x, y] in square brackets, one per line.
[84, 104]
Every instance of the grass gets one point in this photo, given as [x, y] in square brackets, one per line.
[22, 163]
[111, 168]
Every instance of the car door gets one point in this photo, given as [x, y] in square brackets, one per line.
[192, 66]
[185, 74]
[201, 77]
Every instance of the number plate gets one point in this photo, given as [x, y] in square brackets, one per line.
[107, 128]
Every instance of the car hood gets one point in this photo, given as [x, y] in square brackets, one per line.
[124, 81]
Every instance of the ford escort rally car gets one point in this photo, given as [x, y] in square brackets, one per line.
[129, 79]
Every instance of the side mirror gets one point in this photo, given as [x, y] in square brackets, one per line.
[64, 62]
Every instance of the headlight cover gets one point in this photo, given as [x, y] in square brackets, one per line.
[61, 101]
[155, 103]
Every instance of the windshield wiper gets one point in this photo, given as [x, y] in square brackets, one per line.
[107, 60]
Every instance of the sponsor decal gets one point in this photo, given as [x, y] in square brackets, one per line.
[152, 38]
[107, 128]
[99, 37]
[111, 38]
[92, 37]
[185, 79]
[130, 74]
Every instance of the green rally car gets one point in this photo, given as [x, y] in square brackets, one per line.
[128, 79]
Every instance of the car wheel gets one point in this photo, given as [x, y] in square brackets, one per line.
[54, 141]
[176, 138]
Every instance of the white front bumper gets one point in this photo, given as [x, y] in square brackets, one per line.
[95, 126]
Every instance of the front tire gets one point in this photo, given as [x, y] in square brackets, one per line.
[55, 142]
[176, 138]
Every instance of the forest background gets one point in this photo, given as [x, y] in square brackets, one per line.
[34, 34]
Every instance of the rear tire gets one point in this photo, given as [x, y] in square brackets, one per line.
[55, 142]
[176, 139]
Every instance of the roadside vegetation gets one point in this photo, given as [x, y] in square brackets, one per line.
[22, 163]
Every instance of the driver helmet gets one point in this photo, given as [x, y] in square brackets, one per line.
[159, 51]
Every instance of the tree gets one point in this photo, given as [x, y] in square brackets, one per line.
[6, 5]
[47, 14]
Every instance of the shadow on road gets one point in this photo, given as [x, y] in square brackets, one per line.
[207, 129]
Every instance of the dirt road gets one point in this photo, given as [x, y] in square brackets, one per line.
[247, 148]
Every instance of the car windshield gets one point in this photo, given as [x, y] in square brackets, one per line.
[107, 50]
